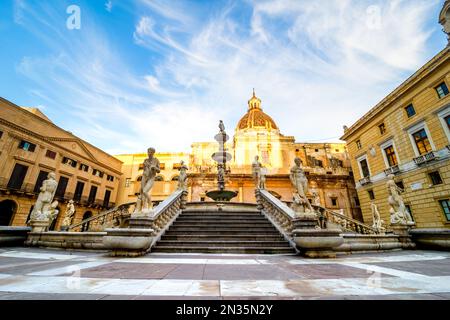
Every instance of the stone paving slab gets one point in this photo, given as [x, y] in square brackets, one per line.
[434, 268]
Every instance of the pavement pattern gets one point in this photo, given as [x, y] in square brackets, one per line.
[30, 273]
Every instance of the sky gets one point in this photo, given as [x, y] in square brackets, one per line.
[126, 75]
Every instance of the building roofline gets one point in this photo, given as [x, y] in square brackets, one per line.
[425, 70]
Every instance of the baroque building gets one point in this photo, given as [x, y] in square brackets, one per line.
[407, 134]
[31, 146]
[256, 134]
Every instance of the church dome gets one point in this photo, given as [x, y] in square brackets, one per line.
[255, 118]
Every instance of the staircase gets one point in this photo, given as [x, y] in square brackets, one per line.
[198, 230]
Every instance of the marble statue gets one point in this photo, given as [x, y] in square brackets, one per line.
[300, 183]
[316, 199]
[43, 204]
[221, 126]
[221, 176]
[182, 180]
[377, 222]
[258, 174]
[151, 169]
[68, 215]
[53, 212]
[398, 211]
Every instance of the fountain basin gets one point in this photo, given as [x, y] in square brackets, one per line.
[221, 195]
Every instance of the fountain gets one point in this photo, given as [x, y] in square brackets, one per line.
[221, 157]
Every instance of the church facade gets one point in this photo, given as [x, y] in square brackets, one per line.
[327, 166]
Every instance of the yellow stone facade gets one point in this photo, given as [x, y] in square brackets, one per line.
[32, 143]
[413, 141]
[256, 133]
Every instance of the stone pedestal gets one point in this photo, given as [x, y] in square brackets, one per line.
[402, 231]
[312, 241]
[39, 225]
[140, 222]
[128, 242]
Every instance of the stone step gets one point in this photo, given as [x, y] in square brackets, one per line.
[223, 244]
[213, 219]
[220, 228]
[239, 250]
[223, 223]
[213, 237]
[246, 211]
[222, 215]
[235, 233]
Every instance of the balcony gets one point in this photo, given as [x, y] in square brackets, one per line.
[364, 181]
[421, 160]
[392, 170]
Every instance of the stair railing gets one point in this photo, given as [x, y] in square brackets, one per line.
[346, 223]
[114, 218]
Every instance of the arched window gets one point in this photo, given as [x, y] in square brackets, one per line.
[176, 178]
[85, 226]
[7, 210]
[159, 178]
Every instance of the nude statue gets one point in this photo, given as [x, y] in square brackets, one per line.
[258, 175]
[182, 180]
[398, 211]
[45, 198]
[151, 169]
[377, 222]
[300, 182]
[68, 216]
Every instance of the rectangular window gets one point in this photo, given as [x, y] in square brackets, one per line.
[442, 90]
[364, 168]
[176, 166]
[435, 178]
[1, 134]
[371, 195]
[410, 111]
[141, 166]
[92, 194]
[110, 178]
[62, 186]
[447, 121]
[97, 173]
[382, 128]
[84, 167]
[50, 154]
[107, 198]
[17, 177]
[391, 156]
[78, 191]
[422, 142]
[27, 146]
[400, 185]
[445, 205]
[40, 179]
[359, 145]
[334, 202]
[408, 207]
[69, 162]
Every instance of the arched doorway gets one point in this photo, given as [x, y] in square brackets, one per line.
[85, 226]
[7, 210]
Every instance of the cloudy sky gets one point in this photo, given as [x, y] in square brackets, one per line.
[163, 73]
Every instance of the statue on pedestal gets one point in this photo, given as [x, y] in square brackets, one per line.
[316, 199]
[68, 216]
[377, 222]
[300, 184]
[43, 206]
[258, 174]
[151, 169]
[398, 211]
[182, 180]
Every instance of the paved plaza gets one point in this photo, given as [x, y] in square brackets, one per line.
[49, 274]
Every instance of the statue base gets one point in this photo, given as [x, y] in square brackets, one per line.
[317, 243]
[128, 242]
[39, 225]
[402, 231]
[145, 213]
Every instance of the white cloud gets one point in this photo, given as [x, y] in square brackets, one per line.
[108, 5]
[317, 65]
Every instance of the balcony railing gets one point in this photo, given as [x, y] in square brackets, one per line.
[364, 181]
[423, 159]
[392, 170]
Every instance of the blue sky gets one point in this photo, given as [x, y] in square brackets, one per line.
[163, 73]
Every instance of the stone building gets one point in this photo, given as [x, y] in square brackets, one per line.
[327, 165]
[407, 134]
[31, 146]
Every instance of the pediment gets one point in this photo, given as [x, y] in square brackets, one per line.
[73, 145]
